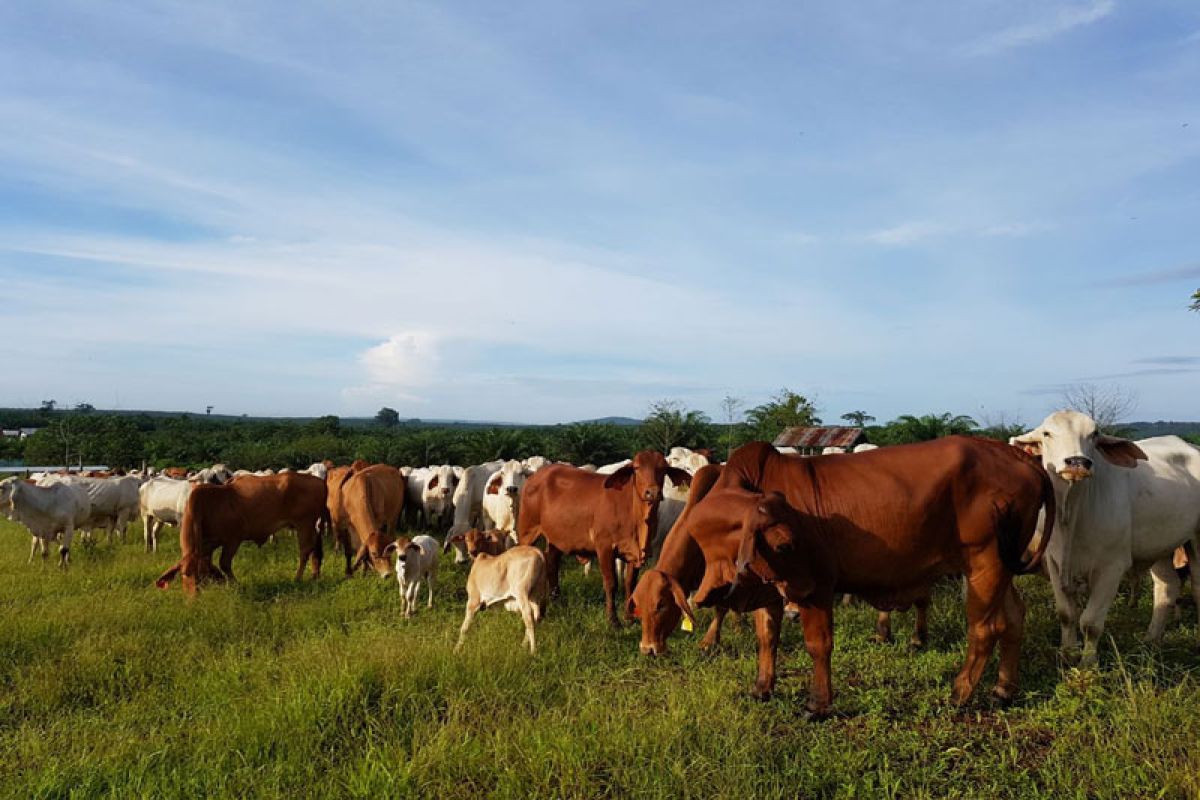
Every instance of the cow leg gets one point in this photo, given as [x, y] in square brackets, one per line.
[1106, 581]
[818, 640]
[920, 635]
[1193, 553]
[472, 608]
[767, 621]
[309, 541]
[712, 637]
[227, 554]
[64, 552]
[1011, 636]
[148, 532]
[1064, 606]
[630, 584]
[608, 570]
[553, 562]
[986, 592]
[429, 580]
[883, 627]
[529, 618]
[33, 545]
[1166, 592]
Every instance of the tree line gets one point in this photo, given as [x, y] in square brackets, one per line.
[83, 434]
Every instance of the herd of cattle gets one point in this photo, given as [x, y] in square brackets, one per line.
[769, 533]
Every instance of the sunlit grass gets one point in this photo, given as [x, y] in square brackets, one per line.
[110, 688]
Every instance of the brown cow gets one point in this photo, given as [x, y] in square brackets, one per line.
[883, 525]
[178, 473]
[661, 595]
[246, 510]
[371, 500]
[476, 541]
[585, 513]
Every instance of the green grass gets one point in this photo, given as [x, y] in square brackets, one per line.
[110, 688]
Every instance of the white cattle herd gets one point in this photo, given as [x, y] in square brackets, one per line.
[1122, 507]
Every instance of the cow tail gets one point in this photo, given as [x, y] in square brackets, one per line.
[1051, 508]
[1011, 529]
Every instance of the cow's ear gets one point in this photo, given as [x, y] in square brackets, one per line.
[394, 546]
[493, 486]
[1120, 452]
[1029, 442]
[433, 482]
[680, 598]
[679, 477]
[619, 478]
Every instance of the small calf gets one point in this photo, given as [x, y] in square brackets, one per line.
[516, 577]
[416, 561]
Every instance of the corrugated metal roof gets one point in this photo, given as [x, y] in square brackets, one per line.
[818, 437]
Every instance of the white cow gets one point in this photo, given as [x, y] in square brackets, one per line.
[216, 474]
[502, 499]
[437, 498]
[468, 505]
[1121, 505]
[113, 501]
[416, 562]
[318, 470]
[534, 463]
[686, 459]
[865, 447]
[46, 511]
[161, 502]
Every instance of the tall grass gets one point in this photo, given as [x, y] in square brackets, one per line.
[110, 688]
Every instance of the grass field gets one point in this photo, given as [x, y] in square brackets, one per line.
[110, 688]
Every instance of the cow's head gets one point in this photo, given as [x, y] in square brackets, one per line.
[406, 552]
[1071, 447]
[490, 543]
[660, 601]
[643, 477]
[772, 549]
[379, 552]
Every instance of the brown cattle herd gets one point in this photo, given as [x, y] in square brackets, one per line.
[774, 535]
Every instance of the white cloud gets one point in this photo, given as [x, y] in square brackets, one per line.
[402, 365]
[906, 234]
[1061, 20]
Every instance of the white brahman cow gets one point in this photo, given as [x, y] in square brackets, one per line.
[46, 511]
[113, 501]
[468, 505]
[429, 495]
[161, 502]
[1121, 505]
[502, 499]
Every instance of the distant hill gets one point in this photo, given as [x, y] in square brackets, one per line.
[613, 421]
[1144, 430]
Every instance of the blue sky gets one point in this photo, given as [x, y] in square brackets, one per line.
[553, 211]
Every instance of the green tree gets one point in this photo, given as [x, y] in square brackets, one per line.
[388, 417]
[669, 424]
[1195, 304]
[858, 419]
[785, 410]
[909, 428]
[590, 443]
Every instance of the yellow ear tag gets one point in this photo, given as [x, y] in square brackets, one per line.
[686, 625]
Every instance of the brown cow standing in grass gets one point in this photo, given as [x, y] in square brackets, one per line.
[371, 500]
[249, 509]
[584, 513]
[883, 525]
[661, 594]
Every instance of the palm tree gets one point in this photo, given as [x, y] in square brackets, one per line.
[909, 428]
[858, 419]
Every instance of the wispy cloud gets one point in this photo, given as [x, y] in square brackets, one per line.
[1151, 277]
[1053, 24]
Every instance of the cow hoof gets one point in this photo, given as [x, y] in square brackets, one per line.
[881, 639]
[917, 643]
[815, 712]
[1004, 695]
[759, 693]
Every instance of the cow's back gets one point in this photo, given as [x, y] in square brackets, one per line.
[1163, 495]
[560, 500]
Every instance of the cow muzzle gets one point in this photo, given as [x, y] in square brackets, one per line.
[1076, 468]
[652, 648]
